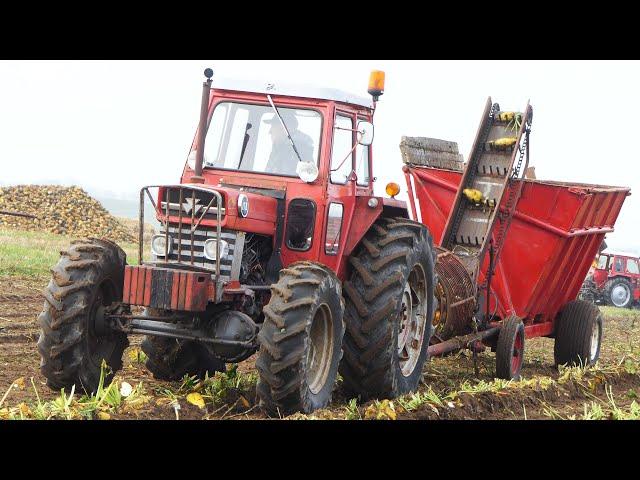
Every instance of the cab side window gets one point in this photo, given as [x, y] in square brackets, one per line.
[603, 261]
[617, 265]
[362, 164]
[341, 154]
[632, 266]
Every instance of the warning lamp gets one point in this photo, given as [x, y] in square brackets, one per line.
[392, 189]
[376, 84]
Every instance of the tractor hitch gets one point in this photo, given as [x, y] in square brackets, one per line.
[472, 341]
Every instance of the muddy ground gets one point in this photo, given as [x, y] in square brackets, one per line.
[450, 388]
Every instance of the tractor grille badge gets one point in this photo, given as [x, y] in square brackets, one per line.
[192, 204]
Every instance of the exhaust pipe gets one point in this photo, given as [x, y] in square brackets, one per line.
[202, 126]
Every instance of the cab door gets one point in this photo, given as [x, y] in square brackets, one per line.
[633, 270]
[363, 156]
[340, 192]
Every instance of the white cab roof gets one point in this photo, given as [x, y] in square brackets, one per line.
[288, 89]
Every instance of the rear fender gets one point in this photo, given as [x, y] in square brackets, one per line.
[363, 217]
[394, 208]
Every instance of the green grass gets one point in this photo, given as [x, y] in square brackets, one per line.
[32, 254]
[609, 312]
[107, 400]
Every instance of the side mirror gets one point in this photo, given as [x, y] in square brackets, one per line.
[365, 130]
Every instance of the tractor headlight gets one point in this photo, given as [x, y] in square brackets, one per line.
[210, 249]
[159, 246]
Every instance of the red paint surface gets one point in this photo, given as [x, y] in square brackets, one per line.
[191, 291]
[357, 217]
[553, 238]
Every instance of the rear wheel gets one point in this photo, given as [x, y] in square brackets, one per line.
[389, 306]
[510, 349]
[300, 340]
[578, 335]
[73, 343]
[619, 292]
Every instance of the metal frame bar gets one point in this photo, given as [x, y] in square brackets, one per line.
[146, 326]
[217, 196]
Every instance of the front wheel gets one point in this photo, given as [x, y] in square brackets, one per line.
[300, 340]
[73, 341]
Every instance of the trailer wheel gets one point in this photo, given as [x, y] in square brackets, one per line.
[510, 349]
[389, 307]
[300, 340]
[578, 334]
[619, 292]
[73, 341]
[170, 359]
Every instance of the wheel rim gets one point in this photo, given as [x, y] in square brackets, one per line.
[517, 354]
[99, 346]
[413, 315]
[595, 342]
[620, 295]
[320, 349]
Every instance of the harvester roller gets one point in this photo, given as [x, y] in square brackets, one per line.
[456, 295]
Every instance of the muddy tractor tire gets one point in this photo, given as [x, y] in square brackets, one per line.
[619, 292]
[170, 359]
[389, 309]
[73, 339]
[300, 340]
[578, 334]
[510, 349]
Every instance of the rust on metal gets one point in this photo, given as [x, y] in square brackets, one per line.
[460, 342]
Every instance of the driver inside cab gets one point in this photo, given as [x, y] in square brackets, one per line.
[283, 159]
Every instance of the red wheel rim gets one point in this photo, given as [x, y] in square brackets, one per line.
[516, 356]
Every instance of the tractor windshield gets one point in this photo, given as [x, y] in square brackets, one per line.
[251, 138]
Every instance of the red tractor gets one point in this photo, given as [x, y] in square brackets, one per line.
[273, 242]
[614, 280]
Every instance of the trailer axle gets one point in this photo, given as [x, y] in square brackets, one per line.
[461, 342]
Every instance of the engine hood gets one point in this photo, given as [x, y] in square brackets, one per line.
[262, 214]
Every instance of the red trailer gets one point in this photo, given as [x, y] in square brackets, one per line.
[554, 234]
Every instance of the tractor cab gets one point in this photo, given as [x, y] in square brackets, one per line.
[283, 167]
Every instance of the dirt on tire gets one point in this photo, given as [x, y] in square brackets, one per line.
[381, 267]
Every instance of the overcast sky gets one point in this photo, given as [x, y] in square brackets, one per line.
[117, 125]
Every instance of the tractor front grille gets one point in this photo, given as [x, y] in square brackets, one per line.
[181, 253]
[190, 203]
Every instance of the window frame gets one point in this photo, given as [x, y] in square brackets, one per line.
[326, 229]
[313, 224]
[340, 113]
[634, 262]
[368, 147]
[320, 136]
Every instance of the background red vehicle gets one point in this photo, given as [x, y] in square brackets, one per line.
[614, 280]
